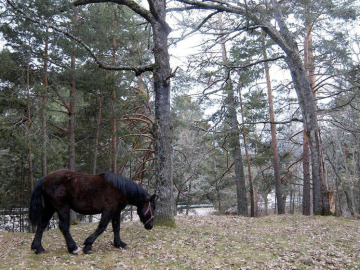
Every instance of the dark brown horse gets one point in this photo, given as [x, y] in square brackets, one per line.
[106, 193]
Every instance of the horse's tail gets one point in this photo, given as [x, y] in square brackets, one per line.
[36, 203]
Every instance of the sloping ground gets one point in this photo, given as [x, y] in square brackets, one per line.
[211, 242]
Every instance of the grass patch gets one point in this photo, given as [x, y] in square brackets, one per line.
[213, 242]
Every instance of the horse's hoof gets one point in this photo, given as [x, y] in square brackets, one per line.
[88, 252]
[39, 251]
[121, 246]
[77, 251]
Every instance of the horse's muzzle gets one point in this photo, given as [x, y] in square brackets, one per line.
[148, 226]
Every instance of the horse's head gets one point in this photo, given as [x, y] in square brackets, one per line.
[146, 212]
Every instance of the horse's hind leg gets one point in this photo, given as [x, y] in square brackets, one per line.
[105, 218]
[64, 225]
[41, 226]
[116, 228]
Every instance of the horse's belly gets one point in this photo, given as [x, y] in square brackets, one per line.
[85, 209]
[86, 202]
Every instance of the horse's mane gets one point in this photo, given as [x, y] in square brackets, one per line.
[132, 191]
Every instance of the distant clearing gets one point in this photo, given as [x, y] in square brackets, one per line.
[211, 242]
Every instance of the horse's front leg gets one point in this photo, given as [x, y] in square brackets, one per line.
[116, 228]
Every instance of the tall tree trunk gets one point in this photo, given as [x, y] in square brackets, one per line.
[234, 134]
[338, 181]
[357, 158]
[306, 204]
[144, 93]
[307, 104]
[163, 126]
[72, 97]
[156, 16]
[97, 133]
[97, 137]
[113, 150]
[279, 190]
[188, 201]
[71, 128]
[29, 124]
[309, 66]
[44, 109]
[308, 52]
[291, 200]
[237, 155]
[253, 204]
[320, 193]
[348, 189]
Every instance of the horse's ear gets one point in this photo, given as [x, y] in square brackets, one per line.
[153, 198]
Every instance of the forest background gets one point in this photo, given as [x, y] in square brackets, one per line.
[64, 104]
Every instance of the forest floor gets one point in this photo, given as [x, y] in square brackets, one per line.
[198, 242]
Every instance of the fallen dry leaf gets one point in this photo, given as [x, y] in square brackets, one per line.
[200, 242]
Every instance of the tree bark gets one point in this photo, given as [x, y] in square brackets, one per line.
[188, 203]
[44, 108]
[348, 189]
[279, 190]
[162, 126]
[357, 158]
[113, 150]
[234, 134]
[237, 155]
[72, 97]
[308, 108]
[156, 16]
[253, 203]
[309, 66]
[29, 124]
[97, 133]
[71, 127]
[306, 204]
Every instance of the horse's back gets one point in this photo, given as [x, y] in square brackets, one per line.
[68, 181]
[73, 179]
[84, 193]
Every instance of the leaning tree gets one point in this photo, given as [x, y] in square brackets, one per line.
[156, 17]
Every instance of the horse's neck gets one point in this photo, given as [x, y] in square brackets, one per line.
[136, 199]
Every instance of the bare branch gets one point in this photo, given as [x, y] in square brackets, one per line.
[158, 18]
[143, 150]
[197, 28]
[257, 62]
[150, 136]
[63, 102]
[63, 130]
[220, 6]
[222, 175]
[275, 122]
